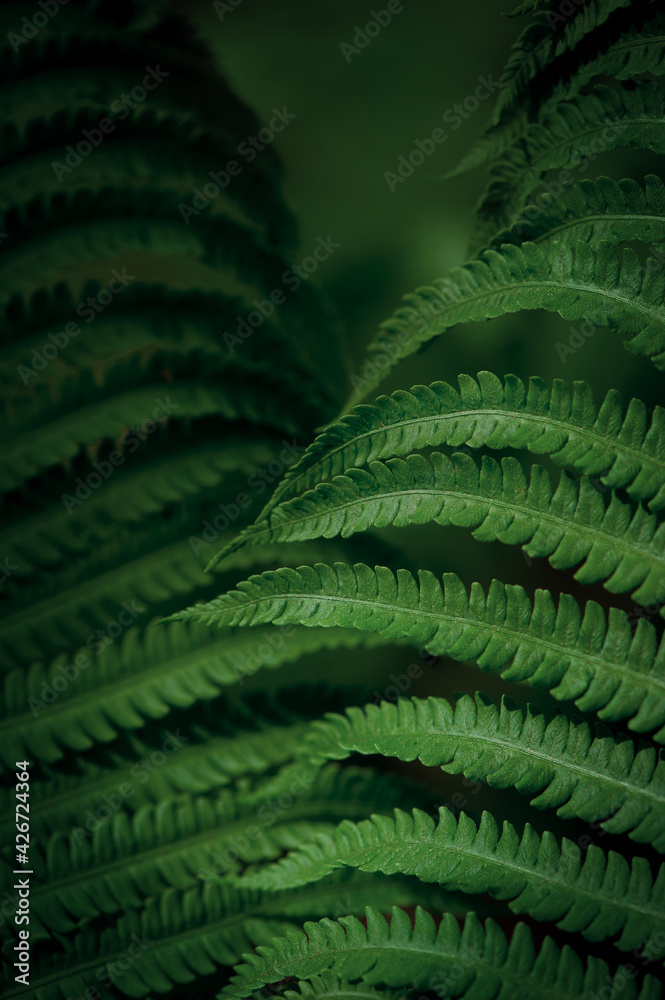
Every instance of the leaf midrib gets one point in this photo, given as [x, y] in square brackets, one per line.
[255, 911]
[223, 828]
[276, 968]
[559, 521]
[506, 288]
[555, 762]
[466, 852]
[637, 453]
[521, 638]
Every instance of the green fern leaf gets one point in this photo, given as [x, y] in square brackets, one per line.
[159, 148]
[217, 743]
[146, 319]
[181, 841]
[75, 603]
[628, 117]
[631, 44]
[53, 524]
[329, 985]
[623, 450]
[186, 934]
[578, 282]
[624, 548]
[472, 961]
[604, 667]
[559, 762]
[601, 896]
[43, 431]
[595, 210]
[218, 254]
[540, 45]
[143, 677]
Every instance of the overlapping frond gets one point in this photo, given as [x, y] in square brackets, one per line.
[196, 751]
[560, 762]
[572, 525]
[580, 282]
[549, 36]
[182, 841]
[630, 44]
[469, 961]
[102, 690]
[598, 895]
[182, 935]
[566, 136]
[601, 664]
[620, 446]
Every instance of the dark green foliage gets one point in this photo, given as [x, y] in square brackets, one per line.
[181, 798]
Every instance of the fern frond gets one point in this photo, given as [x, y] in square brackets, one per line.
[47, 429]
[218, 254]
[218, 742]
[66, 528]
[560, 762]
[572, 526]
[579, 282]
[168, 156]
[599, 895]
[181, 841]
[470, 961]
[565, 137]
[164, 150]
[50, 523]
[145, 320]
[631, 44]
[83, 70]
[601, 665]
[118, 686]
[329, 985]
[529, 7]
[631, 48]
[74, 605]
[185, 934]
[622, 448]
[595, 210]
[539, 45]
